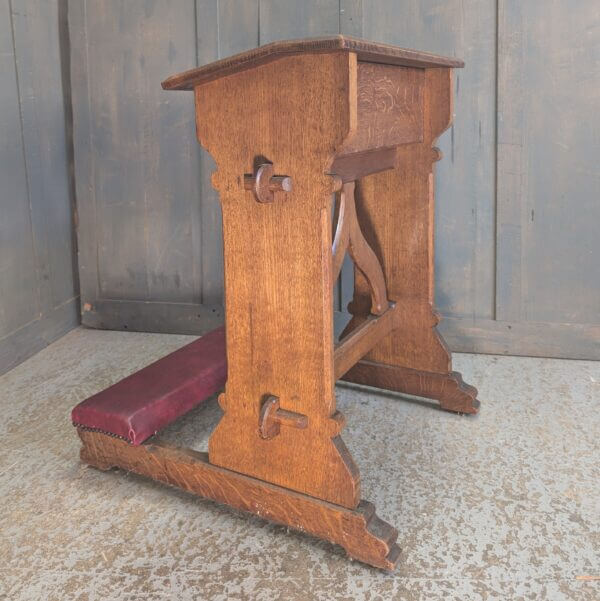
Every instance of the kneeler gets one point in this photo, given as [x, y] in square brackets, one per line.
[293, 126]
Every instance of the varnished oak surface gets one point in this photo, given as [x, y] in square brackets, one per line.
[294, 113]
[389, 107]
[297, 111]
[365, 50]
[363, 535]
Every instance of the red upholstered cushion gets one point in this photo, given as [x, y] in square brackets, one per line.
[148, 400]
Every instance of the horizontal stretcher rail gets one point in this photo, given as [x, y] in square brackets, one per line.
[361, 340]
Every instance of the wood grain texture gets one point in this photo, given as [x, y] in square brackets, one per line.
[349, 237]
[20, 302]
[533, 339]
[529, 339]
[511, 173]
[37, 334]
[362, 339]
[351, 167]
[44, 96]
[278, 284]
[363, 535]
[223, 27]
[449, 389]
[351, 17]
[389, 107]
[396, 212]
[365, 51]
[272, 418]
[291, 20]
[134, 316]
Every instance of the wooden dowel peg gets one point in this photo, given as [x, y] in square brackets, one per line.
[264, 183]
[272, 418]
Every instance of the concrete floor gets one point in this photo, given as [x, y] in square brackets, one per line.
[505, 505]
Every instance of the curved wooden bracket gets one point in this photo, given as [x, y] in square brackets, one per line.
[348, 236]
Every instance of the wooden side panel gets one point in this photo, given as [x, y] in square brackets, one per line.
[465, 179]
[223, 27]
[294, 113]
[395, 210]
[37, 284]
[548, 247]
[290, 19]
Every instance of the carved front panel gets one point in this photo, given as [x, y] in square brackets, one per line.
[389, 106]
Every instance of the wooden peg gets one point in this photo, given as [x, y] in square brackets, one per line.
[272, 418]
[264, 183]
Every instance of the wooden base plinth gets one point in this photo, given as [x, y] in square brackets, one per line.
[449, 389]
[360, 532]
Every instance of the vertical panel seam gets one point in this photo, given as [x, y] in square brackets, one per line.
[196, 45]
[64, 39]
[197, 261]
[92, 161]
[218, 29]
[144, 136]
[25, 164]
[495, 199]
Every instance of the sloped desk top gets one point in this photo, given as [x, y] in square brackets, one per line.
[366, 51]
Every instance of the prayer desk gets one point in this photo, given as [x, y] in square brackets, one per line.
[290, 125]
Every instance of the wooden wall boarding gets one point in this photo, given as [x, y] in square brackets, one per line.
[38, 272]
[517, 267]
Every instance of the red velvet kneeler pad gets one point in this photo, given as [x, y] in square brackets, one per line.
[150, 399]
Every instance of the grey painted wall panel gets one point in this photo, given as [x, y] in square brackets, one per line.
[210, 236]
[465, 178]
[18, 301]
[149, 215]
[552, 228]
[143, 190]
[38, 53]
[288, 19]
[37, 285]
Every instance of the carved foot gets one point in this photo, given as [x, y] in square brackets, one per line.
[359, 531]
[449, 389]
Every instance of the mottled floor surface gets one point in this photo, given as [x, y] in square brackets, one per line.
[505, 505]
